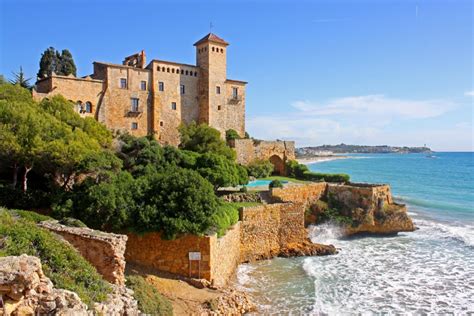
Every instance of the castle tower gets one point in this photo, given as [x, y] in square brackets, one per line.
[211, 58]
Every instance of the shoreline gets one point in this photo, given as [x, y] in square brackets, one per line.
[319, 159]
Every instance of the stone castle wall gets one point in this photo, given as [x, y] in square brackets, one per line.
[278, 152]
[299, 193]
[367, 197]
[268, 228]
[225, 255]
[105, 251]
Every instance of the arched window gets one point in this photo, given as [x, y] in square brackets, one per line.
[187, 72]
[168, 69]
[163, 69]
[212, 48]
[172, 70]
[88, 107]
[79, 107]
[195, 74]
[158, 68]
[222, 50]
[182, 71]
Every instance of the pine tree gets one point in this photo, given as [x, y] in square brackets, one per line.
[20, 79]
[48, 63]
[67, 65]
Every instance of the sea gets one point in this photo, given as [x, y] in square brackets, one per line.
[428, 271]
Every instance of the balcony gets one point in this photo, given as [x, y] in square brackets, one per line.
[133, 112]
[235, 99]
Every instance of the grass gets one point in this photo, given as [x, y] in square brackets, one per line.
[284, 179]
[66, 268]
[150, 301]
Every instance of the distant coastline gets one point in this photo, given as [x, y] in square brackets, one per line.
[316, 159]
[330, 150]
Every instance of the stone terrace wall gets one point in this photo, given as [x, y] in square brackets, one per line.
[299, 193]
[367, 197]
[249, 150]
[170, 255]
[105, 251]
[225, 255]
[267, 228]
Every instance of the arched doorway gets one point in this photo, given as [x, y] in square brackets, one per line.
[278, 164]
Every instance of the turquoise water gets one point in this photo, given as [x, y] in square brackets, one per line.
[430, 270]
[258, 183]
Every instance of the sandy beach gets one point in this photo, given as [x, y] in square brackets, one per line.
[317, 159]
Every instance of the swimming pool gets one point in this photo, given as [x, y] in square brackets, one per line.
[261, 183]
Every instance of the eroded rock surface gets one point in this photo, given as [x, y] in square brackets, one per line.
[26, 290]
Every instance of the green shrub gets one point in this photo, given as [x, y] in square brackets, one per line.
[260, 169]
[71, 222]
[226, 216]
[275, 184]
[332, 215]
[295, 169]
[150, 301]
[244, 189]
[328, 177]
[231, 134]
[66, 268]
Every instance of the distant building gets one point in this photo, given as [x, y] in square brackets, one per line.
[156, 98]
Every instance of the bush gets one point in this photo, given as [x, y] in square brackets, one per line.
[226, 216]
[244, 189]
[220, 171]
[231, 134]
[66, 268]
[260, 169]
[150, 301]
[328, 177]
[71, 222]
[295, 169]
[332, 215]
[275, 184]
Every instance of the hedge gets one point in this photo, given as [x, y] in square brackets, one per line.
[328, 177]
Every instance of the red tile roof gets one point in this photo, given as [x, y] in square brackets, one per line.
[211, 37]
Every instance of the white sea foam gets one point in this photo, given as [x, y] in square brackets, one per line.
[430, 270]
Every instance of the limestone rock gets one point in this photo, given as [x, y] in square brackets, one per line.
[307, 248]
[119, 302]
[28, 291]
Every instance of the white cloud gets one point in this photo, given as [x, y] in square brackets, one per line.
[357, 120]
[469, 93]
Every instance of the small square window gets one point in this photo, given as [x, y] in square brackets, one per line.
[143, 85]
[218, 107]
[173, 105]
[161, 123]
[134, 104]
[134, 125]
[123, 83]
[182, 89]
[161, 86]
[218, 90]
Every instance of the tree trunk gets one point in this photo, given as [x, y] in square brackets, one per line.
[25, 178]
[15, 175]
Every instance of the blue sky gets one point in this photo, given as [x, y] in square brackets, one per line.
[319, 72]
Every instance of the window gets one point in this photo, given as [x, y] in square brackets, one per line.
[167, 70]
[143, 85]
[162, 68]
[182, 71]
[161, 86]
[161, 123]
[218, 108]
[222, 50]
[235, 92]
[187, 72]
[134, 125]
[218, 90]
[195, 74]
[88, 107]
[158, 68]
[212, 48]
[80, 107]
[134, 104]
[182, 89]
[173, 105]
[123, 83]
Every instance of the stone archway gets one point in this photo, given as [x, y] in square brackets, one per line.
[278, 164]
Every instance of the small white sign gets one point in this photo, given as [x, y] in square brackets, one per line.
[194, 256]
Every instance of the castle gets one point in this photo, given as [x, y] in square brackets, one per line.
[155, 99]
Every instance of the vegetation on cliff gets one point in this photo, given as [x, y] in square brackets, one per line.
[66, 268]
[150, 301]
